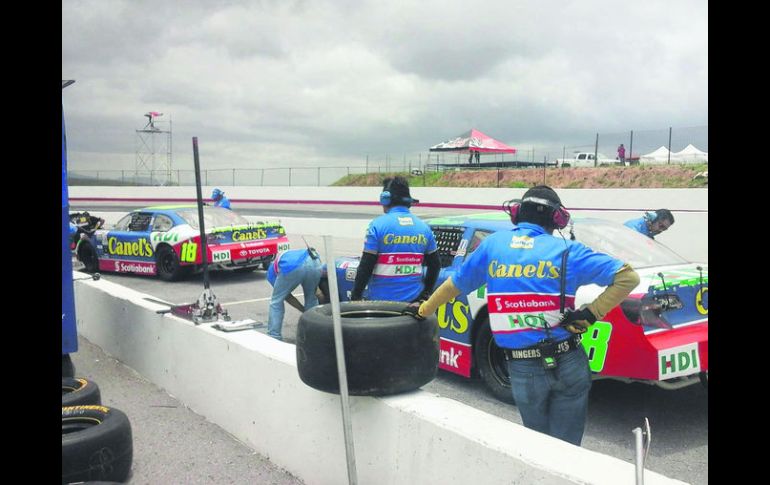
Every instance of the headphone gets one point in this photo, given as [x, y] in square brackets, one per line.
[386, 198]
[651, 216]
[560, 214]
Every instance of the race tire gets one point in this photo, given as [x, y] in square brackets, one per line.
[385, 352]
[67, 367]
[87, 255]
[491, 364]
[96, 444]
[168, 264]
[79, 391]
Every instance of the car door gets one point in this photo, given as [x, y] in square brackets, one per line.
[129, 240]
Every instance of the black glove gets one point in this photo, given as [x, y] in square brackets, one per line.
[412, 310]
[577, 321]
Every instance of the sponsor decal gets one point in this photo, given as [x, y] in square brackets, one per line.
[391, 238]
[405, 221]
[455, 357]
[283, 247]
[543, 269]
[350, 273]
[138, 267]
[702, 301]
[251, 235]
[220, 256]
[678, 361]
[455, 315]
[253, 252]
[140, 247]
[170, 237]
[522, 242]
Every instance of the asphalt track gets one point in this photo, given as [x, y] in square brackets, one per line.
[679, 419]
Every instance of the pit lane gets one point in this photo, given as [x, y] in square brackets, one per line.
[679, 419]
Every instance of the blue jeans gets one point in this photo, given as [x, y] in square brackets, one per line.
[554, 402]
[308, 275]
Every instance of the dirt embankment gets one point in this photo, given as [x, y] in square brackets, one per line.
[668, 176]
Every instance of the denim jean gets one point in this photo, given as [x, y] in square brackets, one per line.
[308, 275]
[554, 402]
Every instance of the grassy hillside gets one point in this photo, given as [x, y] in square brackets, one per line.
[638, 176]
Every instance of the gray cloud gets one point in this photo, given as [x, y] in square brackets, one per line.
[327, 82]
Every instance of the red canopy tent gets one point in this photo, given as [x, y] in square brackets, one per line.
[473, 141]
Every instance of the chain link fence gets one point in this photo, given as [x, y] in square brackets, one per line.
[637, 144]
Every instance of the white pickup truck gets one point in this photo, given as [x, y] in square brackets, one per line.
[586, 159]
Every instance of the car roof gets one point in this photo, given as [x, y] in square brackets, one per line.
[497, 221]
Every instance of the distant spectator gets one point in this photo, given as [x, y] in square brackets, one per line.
[470, 157]
[478, 156]
[219, 199]
[622, 154]
[652, 223]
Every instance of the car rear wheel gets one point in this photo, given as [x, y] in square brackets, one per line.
[87, 256]
[169, 267]
[492, 365]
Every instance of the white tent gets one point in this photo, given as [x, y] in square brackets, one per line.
[657, 157]
[690, 154]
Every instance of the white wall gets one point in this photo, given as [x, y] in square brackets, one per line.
[688, 236]
[248, 384]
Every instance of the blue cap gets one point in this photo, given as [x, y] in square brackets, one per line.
[216, 193]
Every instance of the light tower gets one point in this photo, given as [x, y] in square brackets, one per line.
[153, 149]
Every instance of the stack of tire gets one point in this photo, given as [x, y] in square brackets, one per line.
[386, 352]
[96, 440]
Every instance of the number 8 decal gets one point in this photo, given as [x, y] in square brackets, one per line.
[596, 342]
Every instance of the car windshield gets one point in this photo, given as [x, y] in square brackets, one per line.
[624, 243]
[212, 217]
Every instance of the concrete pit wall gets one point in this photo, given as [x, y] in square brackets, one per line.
[248, 384]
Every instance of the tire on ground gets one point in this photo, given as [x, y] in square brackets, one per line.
[96, 444]
[491, 364]
[385, 352]
[79, 391]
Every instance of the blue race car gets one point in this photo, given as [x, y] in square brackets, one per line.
[658, 335]
[165, 241]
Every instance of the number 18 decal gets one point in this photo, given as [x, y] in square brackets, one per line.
[596, 342]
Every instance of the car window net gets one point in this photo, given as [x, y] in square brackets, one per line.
[447, 241]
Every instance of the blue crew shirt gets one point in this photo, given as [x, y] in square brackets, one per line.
[401, 241]
[522, 269]
[285, 263]
[639, 225]
[224, 202]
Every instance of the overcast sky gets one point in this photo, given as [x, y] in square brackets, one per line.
[319, 83]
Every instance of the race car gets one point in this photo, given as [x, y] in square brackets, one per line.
[165, 241]
[658, 335]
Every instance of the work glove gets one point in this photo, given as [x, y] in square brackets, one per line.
[577, 321]
[412, 310]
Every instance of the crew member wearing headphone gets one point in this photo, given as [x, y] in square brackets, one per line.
[396, 247]
[531, 279]
[219, 199]
[652, 223]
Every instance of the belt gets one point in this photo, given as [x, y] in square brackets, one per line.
[562, 347]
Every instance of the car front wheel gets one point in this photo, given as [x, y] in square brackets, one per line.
[491, 364]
